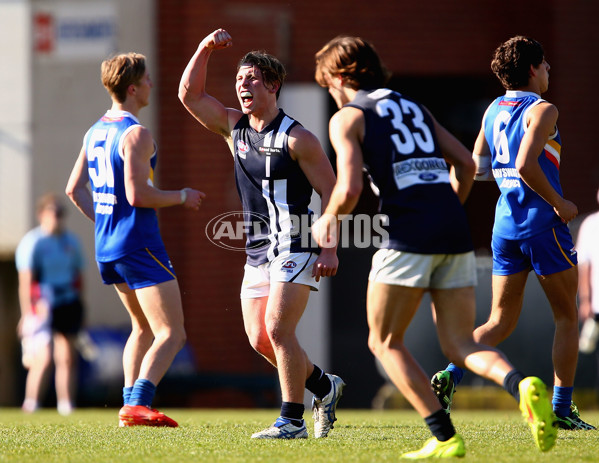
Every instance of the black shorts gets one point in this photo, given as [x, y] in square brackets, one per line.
[67, 318]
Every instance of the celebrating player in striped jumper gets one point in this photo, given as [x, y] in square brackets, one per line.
[277, 165]
[519, 147]
[118, 157]
[422, 174]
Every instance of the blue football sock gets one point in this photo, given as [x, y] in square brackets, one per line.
[456, 372]
[143, 393]
[562, 399]
[127, 394]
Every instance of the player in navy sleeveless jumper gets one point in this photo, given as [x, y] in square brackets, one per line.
[277, 165]
[519, 147]
[118, 158]
[422, 174]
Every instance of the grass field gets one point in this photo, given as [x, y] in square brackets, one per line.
[91, 435]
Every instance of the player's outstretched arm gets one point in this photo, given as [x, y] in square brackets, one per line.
[138, 149]
[210, 112]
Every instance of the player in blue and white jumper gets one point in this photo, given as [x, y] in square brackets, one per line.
[277, 165]
[117, 159]
[519, 146]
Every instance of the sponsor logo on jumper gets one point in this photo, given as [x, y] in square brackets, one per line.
[104, 203]
[416, 171]
[509, 103]
[419, 165]
[428, 177]
[269, 150]
[510, 176]
[112, 118]
[506, 172]
[105, 198]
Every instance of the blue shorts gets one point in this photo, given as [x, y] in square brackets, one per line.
[139, 269]
[550, 251]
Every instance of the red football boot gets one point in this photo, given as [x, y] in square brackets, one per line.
[140, 415]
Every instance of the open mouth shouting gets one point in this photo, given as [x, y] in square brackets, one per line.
[246, 98]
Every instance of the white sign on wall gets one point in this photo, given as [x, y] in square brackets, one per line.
[75, 31]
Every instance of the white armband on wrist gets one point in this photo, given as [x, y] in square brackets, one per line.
[483, 167]
[183, 195]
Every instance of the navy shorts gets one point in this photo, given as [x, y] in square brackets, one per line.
[550, 251]
[139, 269]
[67, 318]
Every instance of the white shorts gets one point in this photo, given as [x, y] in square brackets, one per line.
[435, 271]
[295, 267]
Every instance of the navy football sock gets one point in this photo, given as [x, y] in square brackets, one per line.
[294, 412]
[440, 425]
[318, 383]
[511, 383]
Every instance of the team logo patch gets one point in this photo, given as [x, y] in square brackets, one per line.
[242, 149]
[289, 265]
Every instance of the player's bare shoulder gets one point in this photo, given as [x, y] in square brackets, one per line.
[544, 114]
[139, 139]
[303, 143]
[347, 117]
[547, 107]
[347, 123]
[233, 117]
